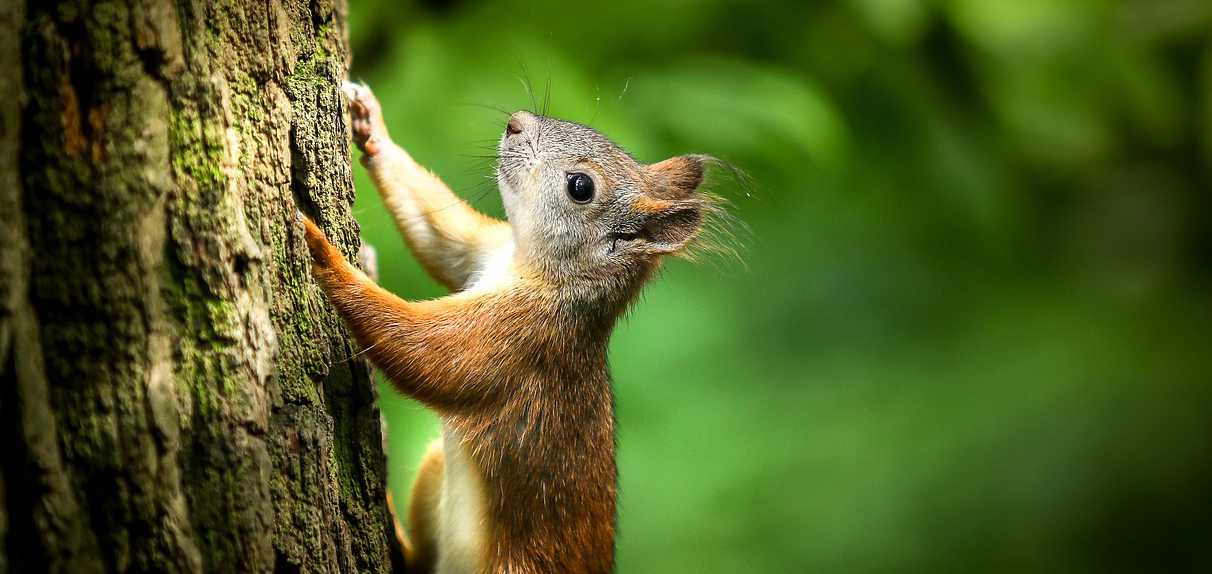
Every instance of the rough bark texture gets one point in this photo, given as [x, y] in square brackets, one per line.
[175, 393]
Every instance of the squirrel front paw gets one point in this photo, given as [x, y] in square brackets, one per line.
[324, 255]
[366, 119]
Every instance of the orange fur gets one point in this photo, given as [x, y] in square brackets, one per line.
[523, 381]
[515, 363]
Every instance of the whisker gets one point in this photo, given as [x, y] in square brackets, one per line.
[547, 93]
[359, 353]
[491, 107]
[493, 157]
[626, 86]
[526, 84]
[597, 103]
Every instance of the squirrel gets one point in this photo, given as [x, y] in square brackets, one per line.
[523, 479]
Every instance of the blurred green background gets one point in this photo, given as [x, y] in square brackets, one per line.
[973, 325]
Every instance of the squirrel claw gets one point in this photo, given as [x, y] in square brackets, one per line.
[351, 89]
[366, 118]
[323, 254]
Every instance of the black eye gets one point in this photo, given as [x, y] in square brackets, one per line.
[580, 187]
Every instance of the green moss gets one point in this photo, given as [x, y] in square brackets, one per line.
[306, 72]
[224, 319]
[246, 99]
[210, 326]
[315, 68]
[197, 148]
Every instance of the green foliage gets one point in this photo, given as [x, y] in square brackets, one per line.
[971, 332]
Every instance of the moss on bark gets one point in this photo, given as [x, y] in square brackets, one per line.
[176, 393]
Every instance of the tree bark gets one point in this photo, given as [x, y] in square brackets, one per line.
[175, 392]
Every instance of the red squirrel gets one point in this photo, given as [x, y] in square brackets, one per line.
[523, 479]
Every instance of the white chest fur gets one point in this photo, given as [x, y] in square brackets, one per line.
[461, 519]
[494, 269]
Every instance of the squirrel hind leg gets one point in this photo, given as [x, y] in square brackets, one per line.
[421, 548]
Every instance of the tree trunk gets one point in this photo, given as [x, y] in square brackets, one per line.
[175, 393]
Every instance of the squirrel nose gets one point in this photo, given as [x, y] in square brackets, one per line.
[517, 122]
[513, 127]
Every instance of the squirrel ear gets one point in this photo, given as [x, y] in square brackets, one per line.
[677, 176]
[669, 226]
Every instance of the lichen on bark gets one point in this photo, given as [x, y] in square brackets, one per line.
[176, 393]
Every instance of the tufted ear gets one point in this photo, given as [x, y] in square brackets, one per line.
[676, 177]
[669, 225]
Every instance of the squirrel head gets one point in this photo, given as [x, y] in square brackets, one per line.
[588, 216]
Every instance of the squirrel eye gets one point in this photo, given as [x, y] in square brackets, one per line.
[580, 187]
